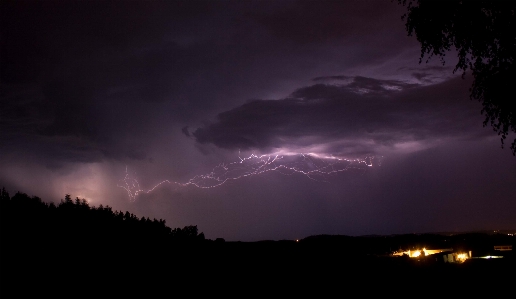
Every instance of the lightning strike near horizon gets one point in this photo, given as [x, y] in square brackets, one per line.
[313, 166]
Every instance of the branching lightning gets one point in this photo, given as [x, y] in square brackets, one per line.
[313, 166]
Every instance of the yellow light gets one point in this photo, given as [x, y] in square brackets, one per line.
[462, 257]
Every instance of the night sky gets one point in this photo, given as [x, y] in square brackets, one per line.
[364, 139]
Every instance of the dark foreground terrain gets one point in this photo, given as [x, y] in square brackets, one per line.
[73, 250]
[210, 267]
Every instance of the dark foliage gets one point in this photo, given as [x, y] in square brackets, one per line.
[482, 34]
[28, 224]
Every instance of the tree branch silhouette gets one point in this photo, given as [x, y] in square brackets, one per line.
[482, 34]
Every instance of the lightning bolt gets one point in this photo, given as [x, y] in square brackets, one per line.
[313, 166]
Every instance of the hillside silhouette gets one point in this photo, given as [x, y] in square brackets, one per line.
[75, 242]
[28, 222]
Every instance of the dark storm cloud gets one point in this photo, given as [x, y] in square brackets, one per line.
[430, 74]
[309, 22]
[362, 116]
[326, 78]
[100, 74]
[93, 90]
[429, 68]
[186, 131]
[420, 76]
[359, 83]
[112, 74]
[353, 33]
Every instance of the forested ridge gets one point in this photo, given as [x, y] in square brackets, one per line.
[74, 242]
[27, 221]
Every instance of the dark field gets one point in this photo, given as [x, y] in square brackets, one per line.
[230, 267]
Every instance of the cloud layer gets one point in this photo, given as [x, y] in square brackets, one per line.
[170, 90]
[360, 116]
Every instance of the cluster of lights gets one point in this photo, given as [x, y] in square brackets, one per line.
[459, 257]
[314, 166]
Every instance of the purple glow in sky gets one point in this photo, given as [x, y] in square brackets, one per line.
[178, 90]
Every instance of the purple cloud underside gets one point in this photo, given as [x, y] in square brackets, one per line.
[361, 116]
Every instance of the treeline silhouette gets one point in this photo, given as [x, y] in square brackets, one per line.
[26, 219]
[27, 222]
[72, 241]
[72, 246]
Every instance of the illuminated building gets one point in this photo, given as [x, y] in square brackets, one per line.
[446, 255]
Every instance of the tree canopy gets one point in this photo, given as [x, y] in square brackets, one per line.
[29, 218]
[482, 33]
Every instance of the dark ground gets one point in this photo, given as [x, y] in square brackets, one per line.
[73, 250]
[235, 268]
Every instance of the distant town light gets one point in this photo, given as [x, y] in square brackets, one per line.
[492, 257]
[462, 257]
